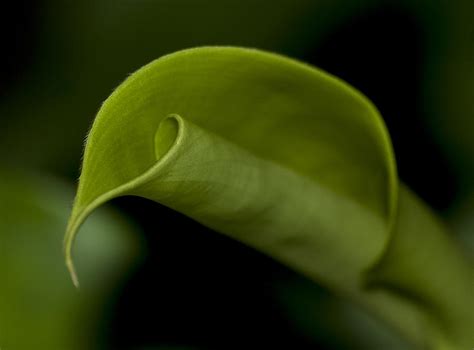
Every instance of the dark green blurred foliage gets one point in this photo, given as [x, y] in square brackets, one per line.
[39, 308]
[68, 56]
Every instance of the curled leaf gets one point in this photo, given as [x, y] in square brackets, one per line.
[271, 152]
[273, 108]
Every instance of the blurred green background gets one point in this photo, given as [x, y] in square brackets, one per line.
[141, 288]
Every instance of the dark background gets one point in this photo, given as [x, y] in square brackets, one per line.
[196, 287]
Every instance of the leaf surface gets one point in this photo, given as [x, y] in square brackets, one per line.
[271, 152]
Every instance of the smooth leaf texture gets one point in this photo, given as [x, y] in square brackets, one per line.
[287, 159]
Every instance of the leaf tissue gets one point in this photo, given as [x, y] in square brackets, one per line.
[291, 161]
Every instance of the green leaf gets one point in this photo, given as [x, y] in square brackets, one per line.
[271, 152]
[256, 114]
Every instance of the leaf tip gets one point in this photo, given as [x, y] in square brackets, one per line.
[68, 246]
[72, 271]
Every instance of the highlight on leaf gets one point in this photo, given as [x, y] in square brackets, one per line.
[287, 159]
